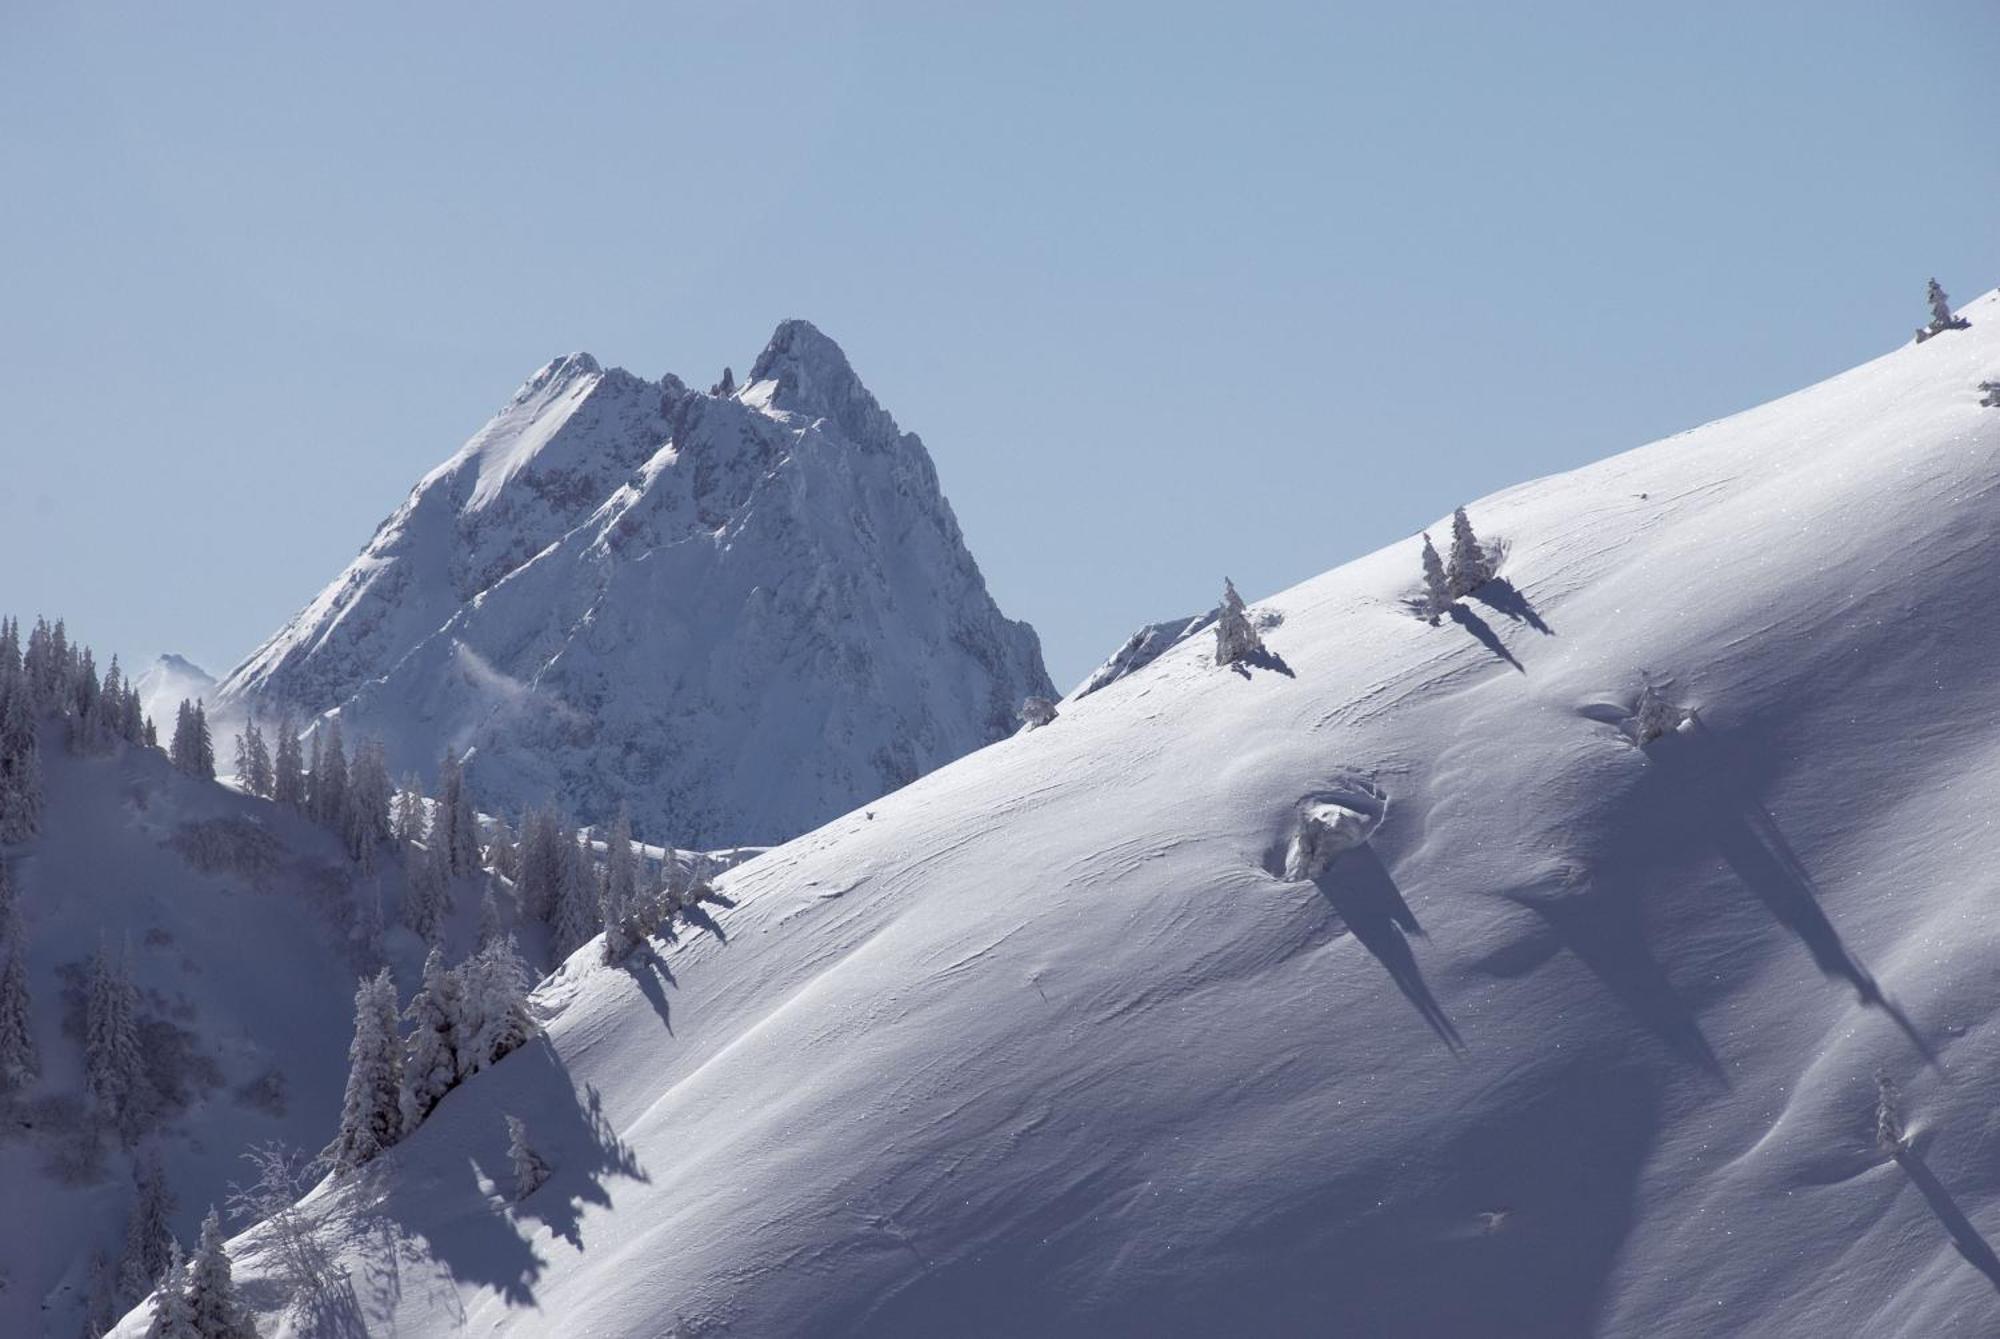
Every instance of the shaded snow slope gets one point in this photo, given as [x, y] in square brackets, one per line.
[741, 614]
[1582, 1039]
[234, 914]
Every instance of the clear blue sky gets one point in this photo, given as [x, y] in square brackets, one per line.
[1170, 291]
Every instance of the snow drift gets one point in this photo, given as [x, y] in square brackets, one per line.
[1582, 1039]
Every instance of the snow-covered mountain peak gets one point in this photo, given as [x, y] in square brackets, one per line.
[803, 372]
[620, 590]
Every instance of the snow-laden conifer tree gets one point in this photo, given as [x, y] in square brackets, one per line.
[182, 749]
[171, 1317]
[1468, 568]
[576, 917]
[204, 744]
[1941, 317]
[1889, 1134]
[20, 763]
[371, 1117]
[253, 759]
[427, 890]
[288, 780]
[461, 825]
[113, 1065]
[1653, 715]
[20, 1061]
[148, 1233]
[539, 864]
[432, 1062]
[367, 824]
[1437, 588]
[410, 822]
[529, 1169]
[496, 1003]
[211, 1287]
[1235, 638]
[1037, 712]
[328, 784]
[620, 890]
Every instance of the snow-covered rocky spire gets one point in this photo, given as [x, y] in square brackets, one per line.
[810, 375]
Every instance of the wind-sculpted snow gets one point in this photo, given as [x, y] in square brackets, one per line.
[1583, 1039]
[741, 615]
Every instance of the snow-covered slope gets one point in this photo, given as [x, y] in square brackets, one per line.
[743, 614]
[1583, 1040]
[235, 916]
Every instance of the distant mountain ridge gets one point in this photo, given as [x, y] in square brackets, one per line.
[741, 612]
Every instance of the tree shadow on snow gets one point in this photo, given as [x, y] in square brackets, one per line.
[1967, 1238]
[1602, 928]
[1756, 849]
[1358, 887]
[1501, 596]
[1484, 634]
[652, 975]
[460, 1227]
[1263, 658]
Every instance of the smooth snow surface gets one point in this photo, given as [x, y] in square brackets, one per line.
[1582, 1040]
[741, 615]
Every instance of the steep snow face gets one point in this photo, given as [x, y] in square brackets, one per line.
[739, 614]
[1579, 1038]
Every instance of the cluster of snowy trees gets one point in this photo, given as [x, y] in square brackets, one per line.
[353, 799]
[194, 1297]
[192, 748]
[1469, 568]
[462, 1020]
[50, 675]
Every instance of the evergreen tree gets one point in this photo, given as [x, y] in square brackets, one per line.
[100, 1305]
[461, 825]
[20, 1061]
[577, 915]
[371, 1112]
[367, 825]
[148, 1236]
[328, 785]
[1889, 1133]
[211, 1288]
[112, 1061]
[435, 1057]
[1037, 712]
[1437, 590]
[539, 865]
[181, 749]
[426, 890]
[620, 891]
[171, 1317]
[253, 759]
[288, 782]
[1235, 638]
[497, 1018]
[529, 1169]
[20, 763]
[204, 744]
[1468, 569]
[410, 822]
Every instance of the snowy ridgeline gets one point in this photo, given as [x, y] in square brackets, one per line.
[1430, 966]
[177, 975]
[739, 613]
